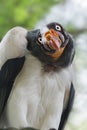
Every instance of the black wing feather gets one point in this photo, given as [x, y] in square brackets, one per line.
[68, 108]
[8, 73]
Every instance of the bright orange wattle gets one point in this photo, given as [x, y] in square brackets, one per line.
[57, 54]
[49, 36]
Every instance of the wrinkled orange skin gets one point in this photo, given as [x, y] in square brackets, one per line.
[49, 35]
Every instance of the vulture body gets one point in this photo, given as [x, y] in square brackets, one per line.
[42, 90]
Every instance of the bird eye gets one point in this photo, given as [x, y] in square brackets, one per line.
[40, 39]
[58, 28]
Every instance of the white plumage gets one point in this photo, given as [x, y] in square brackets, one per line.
[13, 44]
[37, 98]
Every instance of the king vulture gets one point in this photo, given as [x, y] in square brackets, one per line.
[42, 92]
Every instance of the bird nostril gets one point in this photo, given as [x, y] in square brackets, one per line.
[54, 33]
[48, 37]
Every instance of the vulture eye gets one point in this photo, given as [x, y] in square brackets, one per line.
[58, 28]
[40, 40]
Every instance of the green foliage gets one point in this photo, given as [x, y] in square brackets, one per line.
[22, 13]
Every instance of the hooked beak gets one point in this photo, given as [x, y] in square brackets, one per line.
[53, 43]
[53, 39]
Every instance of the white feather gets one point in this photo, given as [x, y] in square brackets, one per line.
[37, 98]
[13, 44]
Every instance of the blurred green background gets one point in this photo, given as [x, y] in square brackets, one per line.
[22, 13]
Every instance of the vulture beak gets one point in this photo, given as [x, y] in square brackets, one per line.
[52, 43]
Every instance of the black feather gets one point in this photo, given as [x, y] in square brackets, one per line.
[8, 73]
[68, 108]
[67, 57]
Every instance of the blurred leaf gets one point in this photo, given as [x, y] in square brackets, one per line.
[22, 13]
